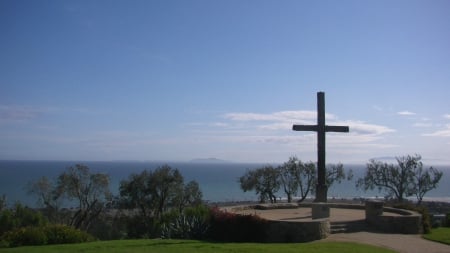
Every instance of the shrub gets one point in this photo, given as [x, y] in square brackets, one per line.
[185, 227]
[141, 227]
[230, 227]
[19, 217]
[62, 234]
[51, 234]
[447, 220]
[25, 236]
[192, 223]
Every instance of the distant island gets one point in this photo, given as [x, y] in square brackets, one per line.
[208, 160]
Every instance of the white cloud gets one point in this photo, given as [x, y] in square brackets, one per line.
[277, 116]
[18, 113]
[276, 127]
[406, 113]
[362, 128]
[446, 116]
[422, 124]
[441, 133]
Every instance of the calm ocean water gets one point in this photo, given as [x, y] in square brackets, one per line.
[218, 181]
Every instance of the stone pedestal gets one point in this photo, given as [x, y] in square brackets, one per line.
[320, 210]
[374, 209]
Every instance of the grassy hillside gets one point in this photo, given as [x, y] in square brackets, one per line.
[441, 235]
[186, 246]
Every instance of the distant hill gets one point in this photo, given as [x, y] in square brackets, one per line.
[208, 160]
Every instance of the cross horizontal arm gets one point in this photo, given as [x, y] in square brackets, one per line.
[305, 128]
[343, 129]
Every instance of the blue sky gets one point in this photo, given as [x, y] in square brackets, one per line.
[177, 80]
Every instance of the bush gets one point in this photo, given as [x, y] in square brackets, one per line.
[52, 234]
[25, 236]
[426, 219]
[230, 227]
[447, 220]
[19, 217]
[138, 227]
[62, 234]
[192, 223]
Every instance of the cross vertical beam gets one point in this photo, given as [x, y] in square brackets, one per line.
[321, 128]
[321, 188]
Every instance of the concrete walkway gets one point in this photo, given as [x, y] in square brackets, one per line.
[398, 242]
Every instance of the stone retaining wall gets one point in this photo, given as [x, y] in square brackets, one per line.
[409, 222]
[290, 231]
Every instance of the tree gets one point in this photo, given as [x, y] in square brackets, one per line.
[405, 179]
[155, 192]
[287, 177]
[48, 196]
[297, 176]
[264, 181]
[166, 184]
[424, 181]
[90, 191]
[306, 177]
[191, 195]
[336, 173]
[3, 201]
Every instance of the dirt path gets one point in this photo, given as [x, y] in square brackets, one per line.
[398, 242]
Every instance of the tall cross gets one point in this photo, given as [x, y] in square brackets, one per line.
[321, 129]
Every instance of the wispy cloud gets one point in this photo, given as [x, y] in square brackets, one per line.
[422, 124]
[18, 113]
[406, 113]
[446, 116]
[441, 133]
[276, 127]
[276, 116]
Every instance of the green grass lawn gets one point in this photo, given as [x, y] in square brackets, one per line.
[186, 246]
[441, 235]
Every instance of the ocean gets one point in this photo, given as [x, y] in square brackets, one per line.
[218, 181]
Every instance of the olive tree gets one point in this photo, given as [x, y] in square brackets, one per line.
[336, 173]
[264, 181]
[49, 197]
[297, 177]
[155, 192]
[405, 179]
[90, 191]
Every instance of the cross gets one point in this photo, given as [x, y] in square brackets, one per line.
[321, 129]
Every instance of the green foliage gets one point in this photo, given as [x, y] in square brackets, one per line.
[441, 235]
[75, 185]
[185, 227]
[109, 227]
[25, 236]
[230, 227]
[142, 227]
[154, 192]
[42, 235]
[159, 197]
[192, 223]
[293, 176]
[264, 181]
[3, 202]
[297, 178]
[447, 220]
[19, 217]
[426, 218]
[405, 179]
[89, 190]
